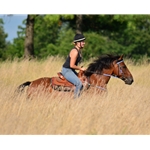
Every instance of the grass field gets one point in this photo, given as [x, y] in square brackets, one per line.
[125, 110]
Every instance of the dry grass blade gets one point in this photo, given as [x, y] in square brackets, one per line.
[124, 110]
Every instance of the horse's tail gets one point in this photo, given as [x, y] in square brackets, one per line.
[22, 86]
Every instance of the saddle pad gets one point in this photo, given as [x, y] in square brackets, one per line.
[60, 82]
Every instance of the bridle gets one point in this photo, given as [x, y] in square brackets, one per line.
[120, 72]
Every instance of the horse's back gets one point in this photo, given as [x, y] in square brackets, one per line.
[40, 85]
[44, 81]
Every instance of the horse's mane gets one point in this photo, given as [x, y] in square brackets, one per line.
[102, 62]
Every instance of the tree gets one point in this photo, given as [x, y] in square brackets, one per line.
[79, 24]
[29, 38]
[53, 21]
[3, 36]
[53, 35]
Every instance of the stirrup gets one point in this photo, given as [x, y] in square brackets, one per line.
[60, 76]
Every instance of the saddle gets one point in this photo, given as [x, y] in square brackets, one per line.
[60, 82]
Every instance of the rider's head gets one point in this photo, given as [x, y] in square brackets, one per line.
[79, 40]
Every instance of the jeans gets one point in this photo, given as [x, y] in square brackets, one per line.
[71, 76]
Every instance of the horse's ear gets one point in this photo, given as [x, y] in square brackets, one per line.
[121, 57]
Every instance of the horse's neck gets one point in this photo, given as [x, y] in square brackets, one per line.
[99, 80]
[95, 79]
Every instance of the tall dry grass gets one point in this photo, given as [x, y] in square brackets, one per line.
[124, 110]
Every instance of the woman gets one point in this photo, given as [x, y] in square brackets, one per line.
[71, 64]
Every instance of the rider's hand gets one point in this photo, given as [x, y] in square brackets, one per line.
[82, 69]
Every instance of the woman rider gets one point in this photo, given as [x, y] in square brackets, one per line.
[71, 64]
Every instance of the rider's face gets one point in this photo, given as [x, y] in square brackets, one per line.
[81, 44]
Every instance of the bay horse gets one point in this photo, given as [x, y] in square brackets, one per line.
[97, 75]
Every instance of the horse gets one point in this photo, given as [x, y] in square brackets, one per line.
[97, 76]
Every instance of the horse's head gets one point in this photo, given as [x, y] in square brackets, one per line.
[107, 66]
[121, 71]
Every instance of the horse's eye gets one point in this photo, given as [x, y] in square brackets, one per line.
[124, 67]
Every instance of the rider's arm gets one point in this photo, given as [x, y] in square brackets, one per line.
[73, 58]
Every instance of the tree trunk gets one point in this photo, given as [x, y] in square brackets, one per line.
[79, 24]
[29, 43]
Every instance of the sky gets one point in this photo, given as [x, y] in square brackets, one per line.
[11, 24]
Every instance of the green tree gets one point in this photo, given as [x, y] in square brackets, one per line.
[3, 43]
[53, 35]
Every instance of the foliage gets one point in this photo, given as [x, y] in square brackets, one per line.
[53, 35]
[45, 34]
[98, 44]
[3, 42]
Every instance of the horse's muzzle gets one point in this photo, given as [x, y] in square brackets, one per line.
[128, 81]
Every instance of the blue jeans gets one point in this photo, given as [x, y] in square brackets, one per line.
[71, 76]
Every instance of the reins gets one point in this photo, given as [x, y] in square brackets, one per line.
[107, 75]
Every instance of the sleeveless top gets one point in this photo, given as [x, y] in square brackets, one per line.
[67, 62]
